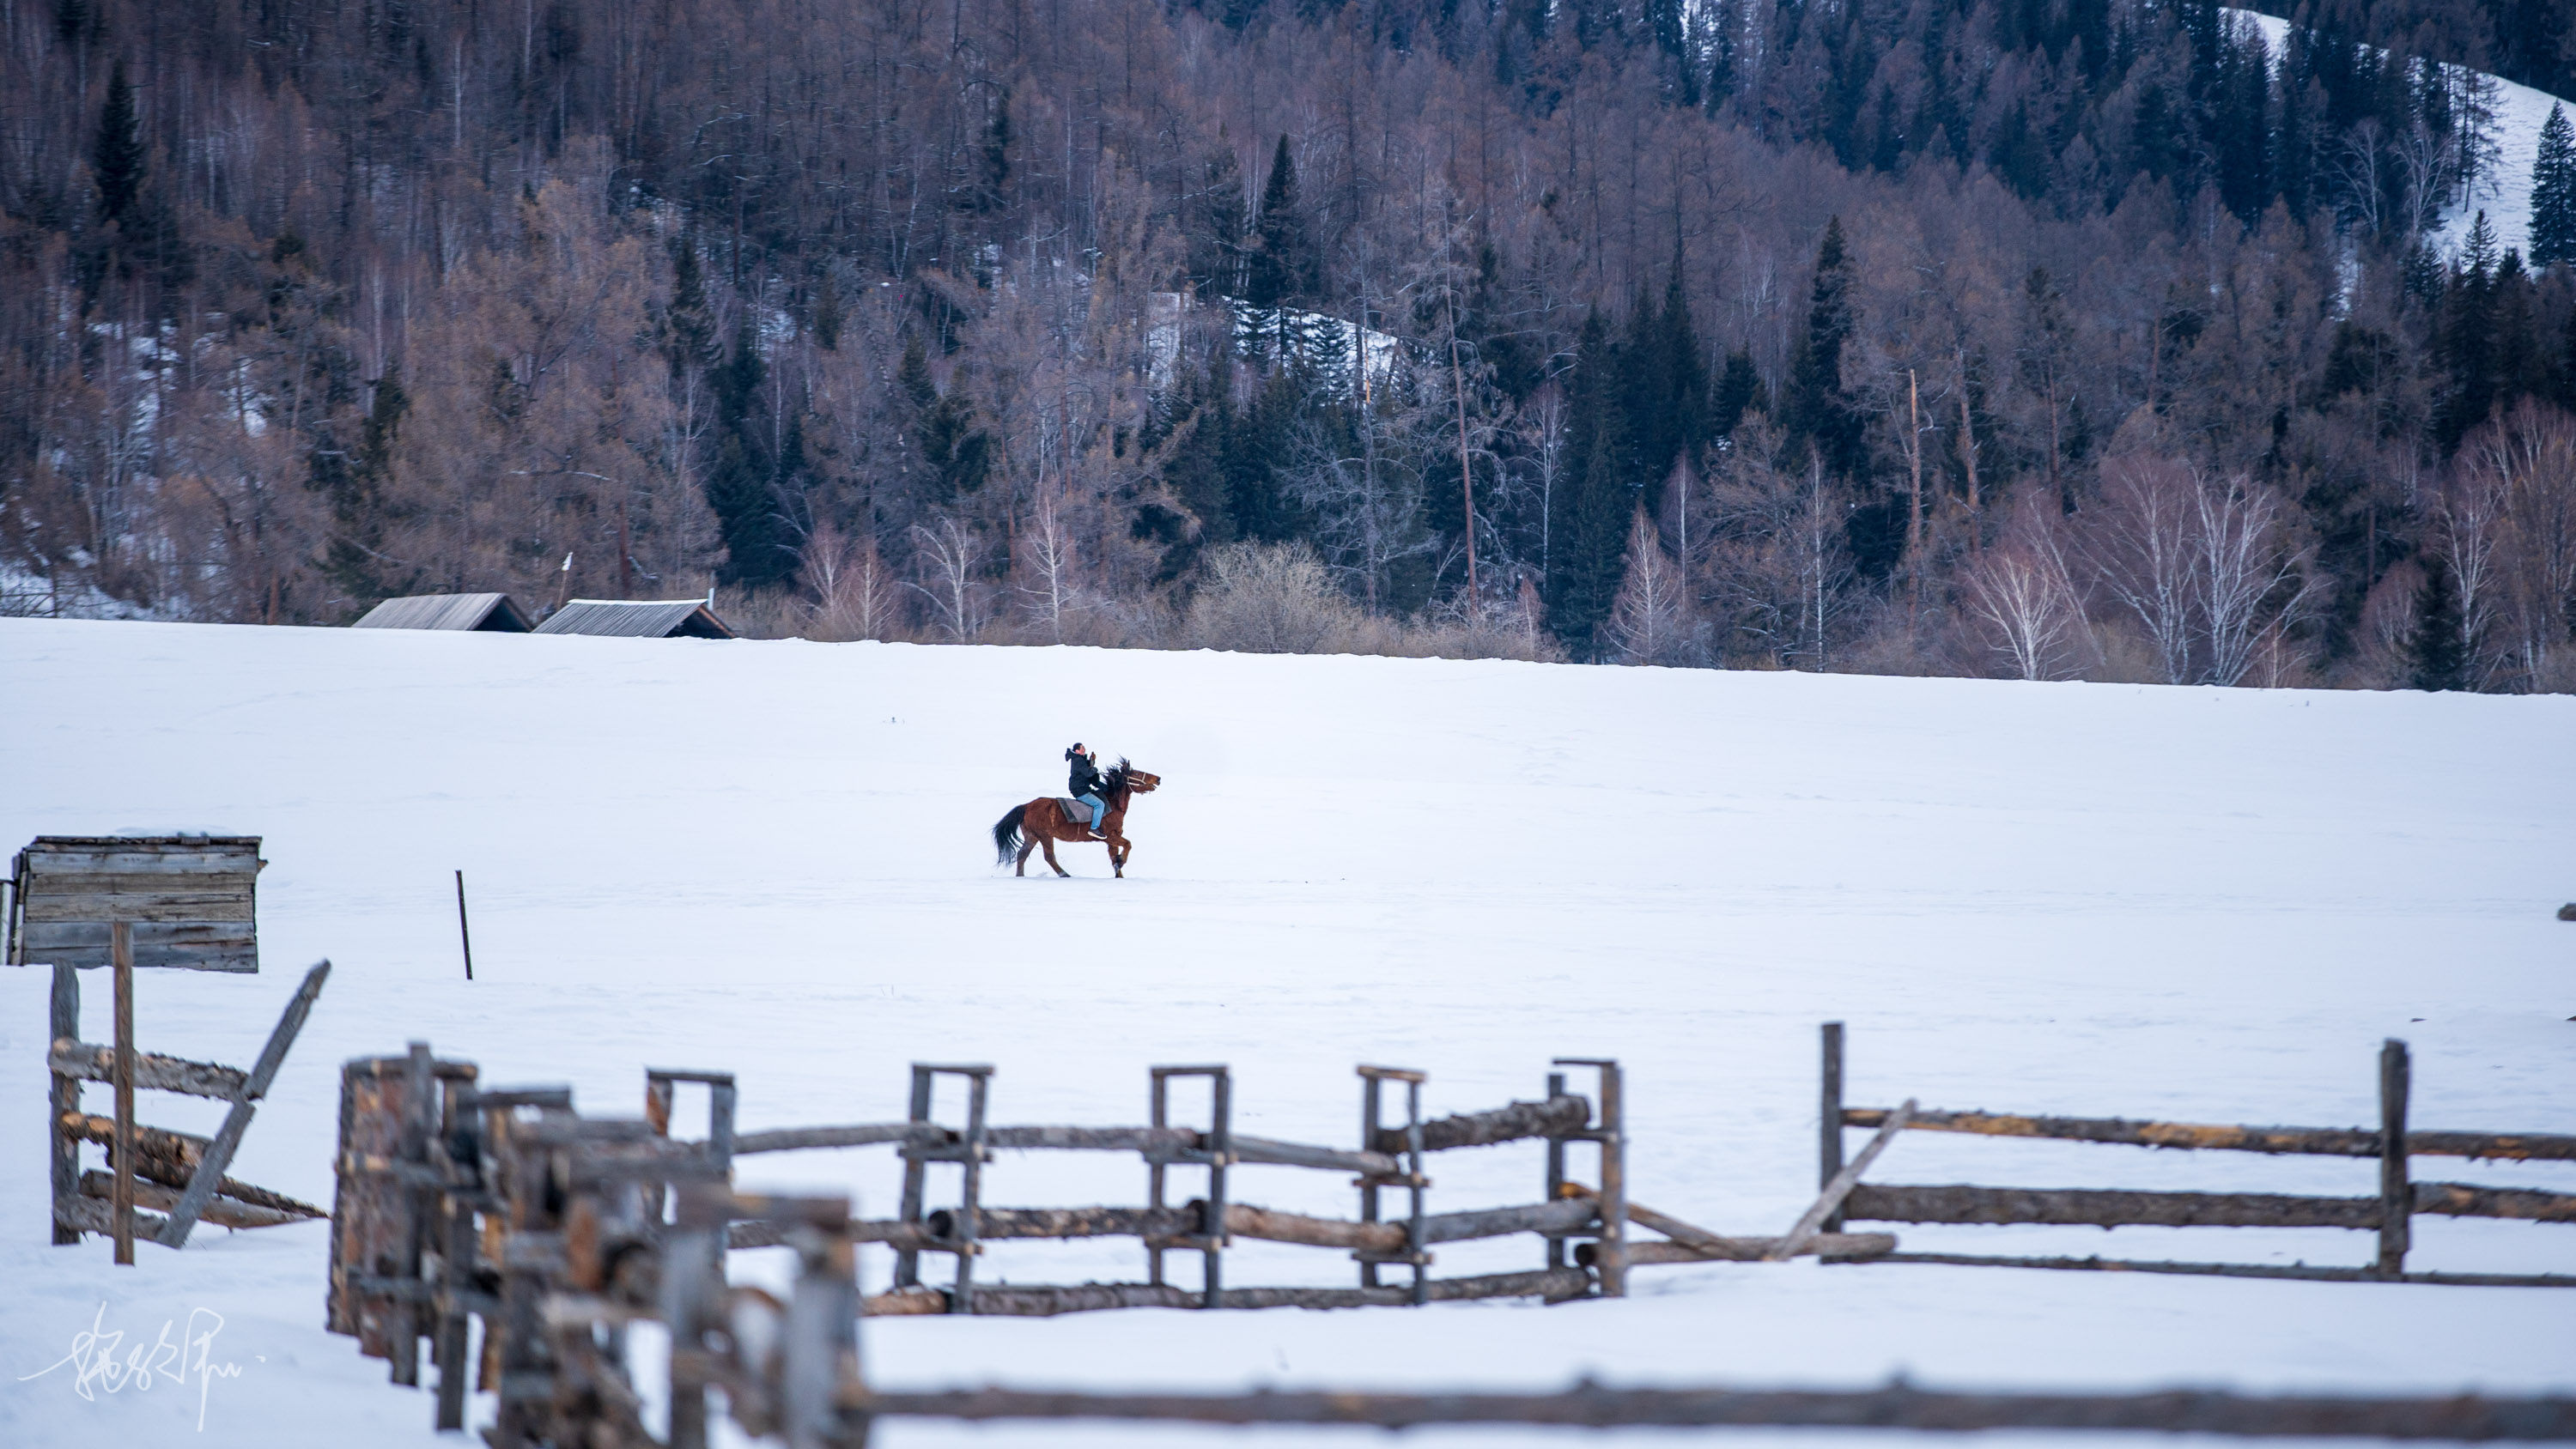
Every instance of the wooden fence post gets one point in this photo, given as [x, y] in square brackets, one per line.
[121, 1202]
[1829, 1139]
[66, 1103]
[2396, 1194]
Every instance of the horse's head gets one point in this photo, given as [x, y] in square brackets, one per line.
[1129, 777]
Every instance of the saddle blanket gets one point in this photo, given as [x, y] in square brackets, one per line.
[1075, 811]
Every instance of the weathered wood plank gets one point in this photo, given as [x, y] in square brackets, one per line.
[93, 1215]
[46, 864]
[2310, 1141]
[222, 1211]
[96, 1062]
[2305, 1271]
[1829, 1203]
[227, 1139]
[1897, 1406]
[171, 1159]
[49, 911]
[866, 1134]
[2105, 1208]
[2467, 1200]
[1754, 1250]
[1510, 1123]
[1046, 1302]
[158, 945]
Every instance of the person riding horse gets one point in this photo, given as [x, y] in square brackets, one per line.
[1084, 783]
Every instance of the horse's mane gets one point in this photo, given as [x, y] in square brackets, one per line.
[1117, 775]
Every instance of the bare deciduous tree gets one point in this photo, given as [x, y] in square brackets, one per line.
[1650, 620]
[948, 555]
[2019, 591]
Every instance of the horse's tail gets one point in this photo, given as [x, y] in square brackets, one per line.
[1006, 835]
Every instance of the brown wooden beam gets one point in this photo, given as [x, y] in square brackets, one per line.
[2312, 1141]
[2304, 1271]
[2105, 1208]
[1897, 1406]
[1514, 1122]
[96, 1062]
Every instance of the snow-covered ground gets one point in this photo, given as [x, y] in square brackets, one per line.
[2202, 904]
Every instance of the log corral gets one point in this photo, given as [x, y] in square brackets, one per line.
[560, 1231]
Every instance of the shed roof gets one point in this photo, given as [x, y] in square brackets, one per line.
[489, 613]
[638, 619]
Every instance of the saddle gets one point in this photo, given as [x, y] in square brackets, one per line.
[1076, 812]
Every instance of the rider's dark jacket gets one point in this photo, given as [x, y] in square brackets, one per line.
[1085, 780]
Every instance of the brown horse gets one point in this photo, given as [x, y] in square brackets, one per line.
[1046, 822]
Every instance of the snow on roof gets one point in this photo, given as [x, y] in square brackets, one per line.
[490, 613]
[638, 619]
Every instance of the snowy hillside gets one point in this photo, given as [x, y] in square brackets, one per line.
[2504, 193]
[2203, 904]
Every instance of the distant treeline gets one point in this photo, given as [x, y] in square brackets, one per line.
[2051, 338]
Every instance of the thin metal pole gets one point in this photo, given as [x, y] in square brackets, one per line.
[463, 933]
[121, 1202]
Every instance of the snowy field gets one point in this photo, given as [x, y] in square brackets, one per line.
[772, 858]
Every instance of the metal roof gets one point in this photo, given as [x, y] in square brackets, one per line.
[637, 619]
[490, 613]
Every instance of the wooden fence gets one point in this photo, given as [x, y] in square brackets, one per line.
[561, 1232]
[456, 1202]
[2389, 1213]
[121, 904]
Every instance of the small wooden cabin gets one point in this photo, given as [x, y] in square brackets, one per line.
[477, 613]
[638, 619]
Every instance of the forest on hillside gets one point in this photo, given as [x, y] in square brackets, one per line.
[2037, 338]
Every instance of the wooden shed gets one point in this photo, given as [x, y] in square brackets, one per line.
[476, 613]
[191, 900]
[638, 619]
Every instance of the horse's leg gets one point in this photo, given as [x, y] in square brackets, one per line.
[1048, 843]
[1025, 847]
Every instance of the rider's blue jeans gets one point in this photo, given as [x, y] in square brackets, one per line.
[1098, 809]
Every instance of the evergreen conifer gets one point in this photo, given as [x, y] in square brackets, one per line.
[2553, 192]
[117, 160]
[2439, 658]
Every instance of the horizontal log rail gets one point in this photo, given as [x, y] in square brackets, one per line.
[171, 1158]
[931, 1140]
[1555, 1117]
[1048, 1301]
[2109, 1208]
[2306, 1271]
[1850, 1246]
[1896, 1406]
[153, 1072]
[2313, 1141]
[223, 1212]
[2104, 1208]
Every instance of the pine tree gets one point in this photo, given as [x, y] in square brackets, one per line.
[742, 489]
[2439, 658]
[1738, 391]
[117, 160]
[688, 328]
[1819, 416]
[2553, 192]
[1280, 267]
